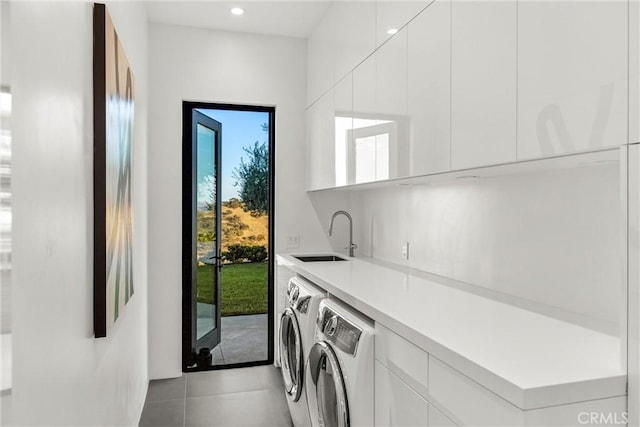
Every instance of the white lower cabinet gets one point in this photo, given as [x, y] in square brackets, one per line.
[396, 403]
[414, 388]
[407, 361]
[472, 404]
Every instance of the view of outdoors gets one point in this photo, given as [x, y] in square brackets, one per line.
[245, 198]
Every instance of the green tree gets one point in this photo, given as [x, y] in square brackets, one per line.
[252, 176]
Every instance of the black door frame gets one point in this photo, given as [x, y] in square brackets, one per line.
[187, 232]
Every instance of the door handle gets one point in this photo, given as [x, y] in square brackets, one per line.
[218, 259]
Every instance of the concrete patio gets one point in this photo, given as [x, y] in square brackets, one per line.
[244, 339]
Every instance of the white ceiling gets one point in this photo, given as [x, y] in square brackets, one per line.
[285, 18]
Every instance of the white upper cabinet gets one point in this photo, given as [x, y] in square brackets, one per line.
[343, 122]
[438, 419]
[378, 145]
[391, 16]
[363, 150]
[364, 89]
[572, 76]
[320, 145]
[483, 121]
[463, 84]
[354, 30]
[320, 60]
[391, 77]
[429, 89]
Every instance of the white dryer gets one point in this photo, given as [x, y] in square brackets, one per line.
[297, 329]
[339, 373]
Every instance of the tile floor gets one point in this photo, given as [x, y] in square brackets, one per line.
[230, 397]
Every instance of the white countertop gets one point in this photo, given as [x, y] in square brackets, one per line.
[529, 359]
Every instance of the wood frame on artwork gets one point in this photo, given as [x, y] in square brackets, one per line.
[113, 113]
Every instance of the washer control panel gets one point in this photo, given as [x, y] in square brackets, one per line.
[293, 290]
[298, 297]
[339, 331]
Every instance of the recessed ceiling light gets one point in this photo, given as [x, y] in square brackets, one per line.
[237, 11]
[392, 31]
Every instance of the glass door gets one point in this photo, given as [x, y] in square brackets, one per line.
[227, 217]
[204, 254]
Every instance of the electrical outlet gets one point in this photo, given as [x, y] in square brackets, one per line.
[405, 251]
[293, 241]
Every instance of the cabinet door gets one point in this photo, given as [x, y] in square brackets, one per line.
[343, 122]
[429, 89]
[320, 60]
[364, 89]
[405, 360]
[380, 82]
[353, 34]
[438, 419]
[366, 160]
[467, 401]
[320, 146]
[483, 83]
[378, 145]
[391, 101]
[572, 76]
[392, 15]
[396, 404]
[391, 77]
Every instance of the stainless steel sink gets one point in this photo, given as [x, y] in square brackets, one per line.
[318, 258]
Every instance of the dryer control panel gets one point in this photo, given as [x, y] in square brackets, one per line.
[339, 331]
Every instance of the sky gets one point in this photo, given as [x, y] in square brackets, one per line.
[239, 129]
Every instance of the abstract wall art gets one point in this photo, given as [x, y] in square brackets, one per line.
[113, 98]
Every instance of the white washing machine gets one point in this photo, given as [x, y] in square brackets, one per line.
[297, 329]
[339, 373]
[283, 275]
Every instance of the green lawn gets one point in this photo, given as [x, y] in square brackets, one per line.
[244, 288]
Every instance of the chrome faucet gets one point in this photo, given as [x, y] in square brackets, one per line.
[352, 245]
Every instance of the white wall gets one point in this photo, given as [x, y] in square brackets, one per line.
[203, 65]
[62, 375]
[5, 125]
[634, 71]
[548, 241]
[5, 46]
[551, 237]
